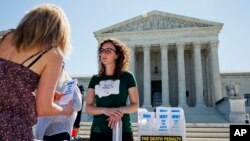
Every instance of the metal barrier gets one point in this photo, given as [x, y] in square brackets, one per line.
[117, 132]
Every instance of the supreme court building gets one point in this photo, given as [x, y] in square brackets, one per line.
[174, 59]
[173, 56]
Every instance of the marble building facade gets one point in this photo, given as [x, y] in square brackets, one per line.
[184, 51]
[176, 57]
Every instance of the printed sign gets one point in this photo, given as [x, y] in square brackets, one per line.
[68, 91]
[166, 124]
[161, 138]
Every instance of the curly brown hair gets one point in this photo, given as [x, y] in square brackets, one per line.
[122, 61]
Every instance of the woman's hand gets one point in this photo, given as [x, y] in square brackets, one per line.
[114, 116]
[58, 96]
[114, 113]
[112, 122]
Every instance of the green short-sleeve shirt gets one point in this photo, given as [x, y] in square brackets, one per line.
[111, 93]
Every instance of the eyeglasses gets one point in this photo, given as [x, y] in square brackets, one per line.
[106, 51]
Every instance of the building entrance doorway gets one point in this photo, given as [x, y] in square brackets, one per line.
[156, 93]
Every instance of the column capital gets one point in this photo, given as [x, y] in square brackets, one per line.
[197, 44]
[164, 43]
[214, 44]
[146, 44]
[164, 46]
[130, 45]
[132, 48]
[146, 47]
[180, 45]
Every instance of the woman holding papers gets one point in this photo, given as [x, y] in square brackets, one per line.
[109, 90]
[58, 128]
[31, 58]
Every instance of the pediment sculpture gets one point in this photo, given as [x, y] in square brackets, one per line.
[157, 22]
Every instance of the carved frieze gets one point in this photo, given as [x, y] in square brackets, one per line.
[157, 22]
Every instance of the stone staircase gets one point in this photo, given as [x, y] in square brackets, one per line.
[194, 131]
[207, 131]
[192, 115]
[203, 115]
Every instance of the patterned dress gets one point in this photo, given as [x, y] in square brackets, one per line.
[17, 103]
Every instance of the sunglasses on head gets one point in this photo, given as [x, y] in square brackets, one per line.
[106, 51]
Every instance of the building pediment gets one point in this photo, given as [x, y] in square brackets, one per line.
[156, 20]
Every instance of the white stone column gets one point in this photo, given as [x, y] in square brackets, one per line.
[132, 59]
[198, 75]
[147, 77]
[216, 80]
[181, 75]
[164, 75]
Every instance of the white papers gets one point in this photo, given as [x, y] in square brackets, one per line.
[165, 123]
[146, 122]
[163, 120]
[68, 91]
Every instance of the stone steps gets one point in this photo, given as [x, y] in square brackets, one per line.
[202, 130]
[194, 131]
[203, 115]
[192, 115]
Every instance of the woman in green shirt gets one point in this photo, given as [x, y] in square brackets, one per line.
[109, 90]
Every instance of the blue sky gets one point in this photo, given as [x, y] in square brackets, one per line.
[88, 16]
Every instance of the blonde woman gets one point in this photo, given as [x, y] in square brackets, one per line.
[109, 90]
[31, 58]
